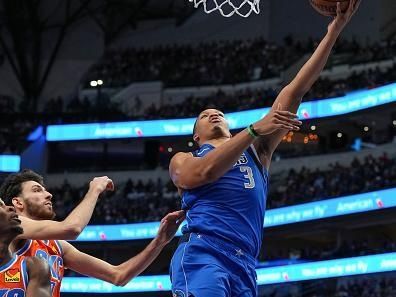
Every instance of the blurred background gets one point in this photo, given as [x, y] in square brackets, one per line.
[111, 87]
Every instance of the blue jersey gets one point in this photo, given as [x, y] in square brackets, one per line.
[231, 208]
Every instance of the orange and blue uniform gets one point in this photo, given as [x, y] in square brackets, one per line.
[14, 277]
[51, 251]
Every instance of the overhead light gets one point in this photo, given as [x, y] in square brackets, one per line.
[93, 83]
[313, 127]
[366, 129]
[100, 82]
[394, 123]
[170, 149]
[339, 134]
[190, 144]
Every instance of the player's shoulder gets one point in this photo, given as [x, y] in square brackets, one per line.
[181, 156]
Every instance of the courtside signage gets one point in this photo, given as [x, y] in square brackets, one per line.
[352, 102]
[265, 276]
[347, 205]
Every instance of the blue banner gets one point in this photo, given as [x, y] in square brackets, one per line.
[10, 163]
[274, 217]
[265, 276]
[308, 110]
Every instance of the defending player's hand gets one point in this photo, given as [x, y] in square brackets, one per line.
[277, 119]
[169, 226]
[343, 18]
[101, 184]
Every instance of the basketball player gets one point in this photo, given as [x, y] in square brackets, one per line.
[26, 191]
[19, 276]
[224, 187]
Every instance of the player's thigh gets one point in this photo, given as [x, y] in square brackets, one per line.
[196, 271]
[244, 282]
[199, 281]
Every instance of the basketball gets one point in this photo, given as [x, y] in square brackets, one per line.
[329, 7]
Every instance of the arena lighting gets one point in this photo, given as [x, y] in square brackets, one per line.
[10, 163]
[394, 123]
[339, 134]
[347, 205]
[366, 129]
[265, 276]
[313, 128]
[352, 102]
[93, 83]
[100, 82]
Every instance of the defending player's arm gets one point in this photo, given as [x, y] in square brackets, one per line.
[39, 278]
[75, 222]
[289, 98]
[121, 274]
[189, 172]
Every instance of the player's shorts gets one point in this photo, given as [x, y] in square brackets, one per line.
[206, 266]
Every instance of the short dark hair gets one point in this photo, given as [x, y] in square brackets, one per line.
[12, 185]
[195, 126]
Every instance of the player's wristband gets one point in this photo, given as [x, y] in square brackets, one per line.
[251, 131]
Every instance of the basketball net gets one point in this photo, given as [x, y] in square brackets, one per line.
[227, 8]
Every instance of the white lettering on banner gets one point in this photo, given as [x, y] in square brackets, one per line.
[308, 213]
[362, 266]
[369, 101]
[187, 128]
[279, 218]
[269, 277]
[385, 97]
[355, 205]
[113, 131]
[128, 233]
[320, 210]
[336, 270]
[88, 235]
[294, 216]
[171, 128]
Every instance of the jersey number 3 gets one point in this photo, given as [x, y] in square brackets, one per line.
[249, 176]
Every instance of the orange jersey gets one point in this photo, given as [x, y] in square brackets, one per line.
[51, 251]
[14, 278]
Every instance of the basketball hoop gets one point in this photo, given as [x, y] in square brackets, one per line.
[228, 8]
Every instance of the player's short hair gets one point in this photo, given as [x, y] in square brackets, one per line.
[195, 126]
[12, 185]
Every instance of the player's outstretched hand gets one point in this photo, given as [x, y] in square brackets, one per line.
[101, 184]
[277, 119]
[169, 226]
[343, 18]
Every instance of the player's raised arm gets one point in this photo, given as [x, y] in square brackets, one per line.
[189, 172]
[71, 227]
[289, 98]
[121, 274]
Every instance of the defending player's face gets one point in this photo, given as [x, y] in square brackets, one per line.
[10, 225]
[211, 123]
[37, 201]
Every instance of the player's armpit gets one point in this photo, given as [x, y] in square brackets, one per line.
[39, 278]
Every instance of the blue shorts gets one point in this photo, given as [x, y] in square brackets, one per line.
[205, 266]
